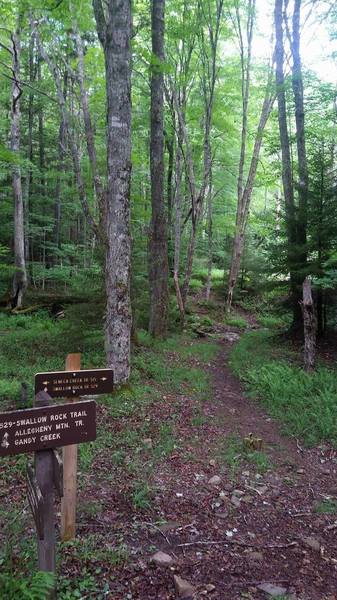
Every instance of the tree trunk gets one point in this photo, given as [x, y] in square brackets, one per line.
[41, 136]
[177, 229]
[114, 30]
[303, 183]
[209, 238]
[287, 180]
[89, 130]
[243, 206]
[158, 258]
[71, 137]
[20, 275]
[29, 145]
[310, 326]
[58, 190]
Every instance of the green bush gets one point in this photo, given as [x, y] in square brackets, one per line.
[35, 587]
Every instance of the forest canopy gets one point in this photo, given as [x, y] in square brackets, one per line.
[146, 150]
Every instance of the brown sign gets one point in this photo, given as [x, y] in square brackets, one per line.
[62, 384]
[35, 429]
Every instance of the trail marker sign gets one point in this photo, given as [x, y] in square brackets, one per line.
[45, 427]
[71, 384]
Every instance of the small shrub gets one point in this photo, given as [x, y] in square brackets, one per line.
[141, 497]
[304, 403]
[236, 321]
[195, 285]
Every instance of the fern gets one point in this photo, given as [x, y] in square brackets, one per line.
[36, 587]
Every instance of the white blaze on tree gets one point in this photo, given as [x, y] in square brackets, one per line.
[113, 19]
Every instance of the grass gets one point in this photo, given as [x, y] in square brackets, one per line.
[141, 497]
[235, 455]
[304, 403]
[202, 274]
[236, 321]
[174, 366]
[270, 321]
[326, 507]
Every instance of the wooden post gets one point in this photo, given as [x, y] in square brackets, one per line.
[44, 473]
[68, 503]
[309, 321]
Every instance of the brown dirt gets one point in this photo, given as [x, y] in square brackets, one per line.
[224, 551]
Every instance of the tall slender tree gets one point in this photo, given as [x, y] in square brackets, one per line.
[113, 19]
[245, 184]
[20, 275]
[296, 217]
[303, 177]
[158, 256]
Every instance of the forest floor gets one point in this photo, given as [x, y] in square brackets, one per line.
[260, 528]
[182, 472]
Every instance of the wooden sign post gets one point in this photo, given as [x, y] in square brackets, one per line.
[68, 503]
[44, 473]
[71, 384]
[41, 430]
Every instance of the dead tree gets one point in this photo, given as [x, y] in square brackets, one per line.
[310, 327]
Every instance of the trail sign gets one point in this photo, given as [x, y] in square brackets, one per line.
[61, 384]
[45, 427]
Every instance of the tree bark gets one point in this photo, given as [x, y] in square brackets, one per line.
[287, 180]
[28, 181]
[209, 237]
[72, 142]
[20, 275]
[310, 326]
[61, 159]
[177, 228]
[89, 130]
[303, 183]
[158, 257]
[114, 31]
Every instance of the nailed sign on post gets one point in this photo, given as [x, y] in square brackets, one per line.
[60, 384]
[35, 429]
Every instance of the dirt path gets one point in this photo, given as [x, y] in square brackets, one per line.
[257, 524]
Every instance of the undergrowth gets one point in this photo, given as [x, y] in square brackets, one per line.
[236, 454]
[304, 403]
[37, 343]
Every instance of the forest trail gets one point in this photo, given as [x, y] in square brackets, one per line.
[237, 523]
